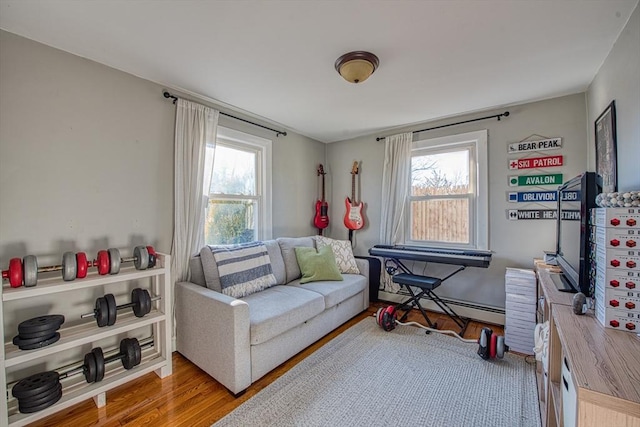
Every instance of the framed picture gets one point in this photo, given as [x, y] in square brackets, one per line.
[606, 157]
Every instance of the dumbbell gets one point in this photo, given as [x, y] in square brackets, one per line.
[105, 310]
[491, 345]
[26, 271]
[43, 389]
[109, 261]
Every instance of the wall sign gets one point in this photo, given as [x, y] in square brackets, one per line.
[540, 145]
[536, 162]
[535, 214]
[541, 196]
[546, 179]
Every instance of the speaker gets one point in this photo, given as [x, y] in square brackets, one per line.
[579, 304]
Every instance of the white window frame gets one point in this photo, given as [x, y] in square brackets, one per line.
[262, 147]
[478, 180]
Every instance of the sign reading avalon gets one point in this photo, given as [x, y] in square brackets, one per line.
[549, 179]
[541, 145]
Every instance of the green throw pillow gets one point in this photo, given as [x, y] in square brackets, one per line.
[317, 265]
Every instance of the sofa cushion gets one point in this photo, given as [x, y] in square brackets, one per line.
[244, 269]
[277, 263]
[287, 246]
[335, 292]
[210, 269]
[280, 308]
[342, 251]
[317, 264]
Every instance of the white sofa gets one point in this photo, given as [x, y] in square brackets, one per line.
[239, 340]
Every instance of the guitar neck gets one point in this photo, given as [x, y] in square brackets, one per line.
[353, 189]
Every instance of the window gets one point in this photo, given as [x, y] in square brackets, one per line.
[239, 208]
[448, 203]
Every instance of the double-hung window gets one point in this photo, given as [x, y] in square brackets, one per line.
[239, 208]
[448, 201]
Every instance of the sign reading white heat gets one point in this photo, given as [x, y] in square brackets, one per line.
[540, 145]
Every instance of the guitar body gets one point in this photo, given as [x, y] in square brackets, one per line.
[353, 219]
[321, 219]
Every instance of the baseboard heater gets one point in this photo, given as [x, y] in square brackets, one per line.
[475, 311]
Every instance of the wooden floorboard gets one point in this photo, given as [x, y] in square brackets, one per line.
[190, 397]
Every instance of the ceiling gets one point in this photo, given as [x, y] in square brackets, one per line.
[275, 59]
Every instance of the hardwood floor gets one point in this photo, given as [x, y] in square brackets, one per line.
[191, 398]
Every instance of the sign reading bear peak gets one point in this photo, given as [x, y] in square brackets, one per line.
[540, 145]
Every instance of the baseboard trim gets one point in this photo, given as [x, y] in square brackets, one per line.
[482, 313]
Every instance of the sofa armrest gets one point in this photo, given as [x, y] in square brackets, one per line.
[212, 331]
[370, 267]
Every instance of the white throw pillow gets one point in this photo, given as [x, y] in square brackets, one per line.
[343, 253]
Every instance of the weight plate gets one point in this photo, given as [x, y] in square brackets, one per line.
[492, 346]
[138, 300]
[40, 324]
[114, 261]
[69, 267]
[500, 347]
[103, 263]
[83, 265]
[102, 312]
[42, 343]
[152, 256]
[30, 410]
[35, 384]
[21, 341]
[39, 335]
[140, 258]
[40, 398]
[99, 358]
[46, 393]
[138, 353]
[30, 270]
[112, 309]
[15, 272]
[89, 368]
[147, 301]
[128, 352]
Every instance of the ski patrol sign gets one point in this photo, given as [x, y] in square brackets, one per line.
[536, 162]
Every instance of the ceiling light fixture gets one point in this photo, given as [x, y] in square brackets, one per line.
[356, 67]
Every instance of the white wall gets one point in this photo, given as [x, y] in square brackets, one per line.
[515, 243]
[86, 163]
[619, 79]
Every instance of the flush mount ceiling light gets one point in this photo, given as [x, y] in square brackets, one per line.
[356, 67]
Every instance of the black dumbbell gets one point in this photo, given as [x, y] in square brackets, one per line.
[43, 389]
[105, 310]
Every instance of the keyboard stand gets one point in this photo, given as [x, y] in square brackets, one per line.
[426, 284]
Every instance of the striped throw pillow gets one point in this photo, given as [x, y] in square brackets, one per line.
[244, 269]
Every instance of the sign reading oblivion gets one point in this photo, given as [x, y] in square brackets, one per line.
[536, 162]
[541, 196]
[534, 214]
[547, 179]
[540, 145]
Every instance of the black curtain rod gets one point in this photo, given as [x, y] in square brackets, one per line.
[278, 132]
[496, 116]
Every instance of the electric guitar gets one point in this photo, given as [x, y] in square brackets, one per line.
[321, 220]
[353, 219]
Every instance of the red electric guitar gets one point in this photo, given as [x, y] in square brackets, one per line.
[353, 219]
[321, 220]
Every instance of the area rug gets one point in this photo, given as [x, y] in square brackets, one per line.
[369, 377]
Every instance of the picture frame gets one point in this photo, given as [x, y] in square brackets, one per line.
[606, 153]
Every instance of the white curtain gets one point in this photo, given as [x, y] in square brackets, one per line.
[395, 190]
[196, 126]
